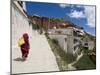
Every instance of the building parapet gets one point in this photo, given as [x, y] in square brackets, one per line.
[19, 7]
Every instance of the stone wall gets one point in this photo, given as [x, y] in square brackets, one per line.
[48, 23]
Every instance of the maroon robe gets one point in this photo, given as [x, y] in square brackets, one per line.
[25, 47]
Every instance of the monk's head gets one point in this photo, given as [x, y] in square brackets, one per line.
[25, 35]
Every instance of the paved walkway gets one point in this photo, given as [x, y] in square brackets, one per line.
[40, 58]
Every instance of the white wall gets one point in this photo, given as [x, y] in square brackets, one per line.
[20, 25]
[61, 41]
[91, 45]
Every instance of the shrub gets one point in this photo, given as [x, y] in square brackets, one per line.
[85, 63]
[54, 41]
[46, 34]
[35, 26]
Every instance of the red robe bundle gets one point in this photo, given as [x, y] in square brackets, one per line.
[26, 46]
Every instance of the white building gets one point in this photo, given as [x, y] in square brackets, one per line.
[68, 38]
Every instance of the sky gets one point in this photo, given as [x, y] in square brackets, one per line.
[81, 15]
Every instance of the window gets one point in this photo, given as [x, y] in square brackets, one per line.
[74, 33]
[59, 32]
[75, 47]
[75, 41]
[20, 3]
[65, 39]
[86, 44]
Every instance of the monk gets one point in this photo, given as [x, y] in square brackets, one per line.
[25, 47]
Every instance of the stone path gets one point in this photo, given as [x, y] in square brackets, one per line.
[41, 58]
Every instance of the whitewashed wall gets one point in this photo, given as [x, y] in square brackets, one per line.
[91, 45]
[20, 25]
[67, 45]
[61, 41]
